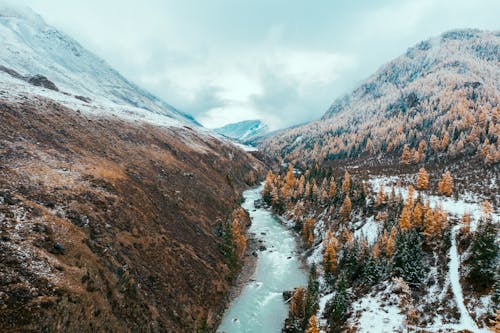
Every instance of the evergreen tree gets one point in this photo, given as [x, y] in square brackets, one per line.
[312, 295]
[338, 306]
[408, 259]
[484, 255]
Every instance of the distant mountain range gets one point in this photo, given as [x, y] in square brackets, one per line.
[244, 131]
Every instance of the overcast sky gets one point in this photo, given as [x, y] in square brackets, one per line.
[278, 60]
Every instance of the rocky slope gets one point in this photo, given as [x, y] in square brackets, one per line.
[114, 208]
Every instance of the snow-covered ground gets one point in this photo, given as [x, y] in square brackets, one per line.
[468, 203]
[378, 312]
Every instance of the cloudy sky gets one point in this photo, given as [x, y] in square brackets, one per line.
[278, 60]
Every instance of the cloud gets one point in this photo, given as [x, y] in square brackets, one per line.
[280, 61]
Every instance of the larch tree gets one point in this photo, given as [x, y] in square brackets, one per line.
[445, 186]
[406, 156]
[391, 242]
[381, 197]
[312, 325]
[417, 215]
[346, 184]
[422, 179]
[333, 188]
[466, 220]
[346, 208]
[405, 219]
[330, 259]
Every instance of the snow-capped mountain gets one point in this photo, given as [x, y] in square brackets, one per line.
[244, 131]
[31, 47]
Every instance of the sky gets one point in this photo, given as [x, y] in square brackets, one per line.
[281, 61]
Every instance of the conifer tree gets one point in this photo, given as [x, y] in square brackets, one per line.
[345, 209]
[423, 179]
[484, 254]
[417, 215]
[406, 156]
[391, 242]
[333, 188]
[405, 219]
[408, 260]
[312, 325]
[466, 219]
[330, 259]
[445, 186]
[381, 197]
[346, 184]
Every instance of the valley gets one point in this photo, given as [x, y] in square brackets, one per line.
[121, 213]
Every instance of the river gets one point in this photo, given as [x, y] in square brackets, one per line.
[260, 307]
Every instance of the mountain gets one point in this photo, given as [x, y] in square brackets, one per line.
[31, 47]
[244, 131]
[442, 94]
[117, 212]
[395, 194]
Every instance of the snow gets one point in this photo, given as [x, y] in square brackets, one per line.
[372, 314]
[468, 203]
[30, 46]
[369, 230]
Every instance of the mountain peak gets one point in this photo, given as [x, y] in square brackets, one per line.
[14, 10]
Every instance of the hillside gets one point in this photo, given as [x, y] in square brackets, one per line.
[395, 193]
[440, 100]
[31, 47]
[111, 217]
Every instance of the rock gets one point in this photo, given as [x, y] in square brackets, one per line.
[83, 98]
[42, 81]
[287, 294]
[254, 254]
[59, 248]
[262, 248]
[258, 203]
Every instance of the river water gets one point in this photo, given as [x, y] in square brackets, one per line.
[260, 307]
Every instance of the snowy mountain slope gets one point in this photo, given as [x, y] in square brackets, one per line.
[30, 47]
[441, 94]
[244, 131]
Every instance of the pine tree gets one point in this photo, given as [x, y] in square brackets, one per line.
[445, 186]
[405, 157]
[423, 179]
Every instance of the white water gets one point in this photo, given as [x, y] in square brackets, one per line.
[260, 307]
